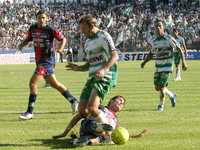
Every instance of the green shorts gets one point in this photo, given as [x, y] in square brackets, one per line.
[177, 58]
[161, 78]
[102, 87]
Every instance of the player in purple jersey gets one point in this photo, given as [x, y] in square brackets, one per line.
[42, 36]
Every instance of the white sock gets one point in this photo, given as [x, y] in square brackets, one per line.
[178, 73]
[168, 92]
[162, 99]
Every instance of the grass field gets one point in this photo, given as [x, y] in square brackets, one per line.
[173, 129]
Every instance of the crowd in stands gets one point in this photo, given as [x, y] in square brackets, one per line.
[130, 24]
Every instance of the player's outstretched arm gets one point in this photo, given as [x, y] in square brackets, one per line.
[184, 65]
[75, 67]
[71, 124]
[148, 58]
[22, 44]
[139, 135]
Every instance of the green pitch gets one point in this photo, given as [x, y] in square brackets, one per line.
[173, 129]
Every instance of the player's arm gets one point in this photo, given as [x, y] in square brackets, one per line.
[71, 124]
[184, 65]
[105, 68]
[61, 45]
[184, 48]
[147, 59]
[75, 67]
[26, 40]
[61, 38]
[23, 44]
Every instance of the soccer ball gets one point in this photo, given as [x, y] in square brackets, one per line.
[120, 135]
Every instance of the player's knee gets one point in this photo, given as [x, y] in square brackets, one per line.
[83, 113]
[32, 85]
[93, 111]
[157, 88]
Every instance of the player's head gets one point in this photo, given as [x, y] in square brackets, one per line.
[159, 27]
[42, 17]
[87, 24]
[116, 103]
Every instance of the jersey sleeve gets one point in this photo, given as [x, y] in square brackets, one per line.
[108, 42]
[173, 43]
[29, 34]
[58, 35]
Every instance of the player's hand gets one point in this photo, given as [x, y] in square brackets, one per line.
[100, 73]
[185, 54]
[184, 67]
[59, 50]
[20, 47]
[142, 65]
[72, 66]
[58, 136]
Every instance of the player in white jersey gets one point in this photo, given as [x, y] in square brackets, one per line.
[93, 132]
[101, 63]
[162, 51]
[177, 56]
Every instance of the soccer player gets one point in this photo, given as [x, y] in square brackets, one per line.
[42, 36]
[101, 63]
[177, 56]
[93, 132]
[162, 50]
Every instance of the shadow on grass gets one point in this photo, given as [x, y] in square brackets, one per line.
[55, 143]
[19, 145]
[63, 143]
[138, 110]
[51, 143]
[53, 112]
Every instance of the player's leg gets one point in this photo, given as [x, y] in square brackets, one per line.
[64, 91]
[160, 106]
[32, 97]
[93, 105]
[161, 82]
[177, 59]
[100, 88]
[166, 91]
[50, 71]
[47, 84]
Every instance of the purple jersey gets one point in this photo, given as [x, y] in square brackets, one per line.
[42, 38]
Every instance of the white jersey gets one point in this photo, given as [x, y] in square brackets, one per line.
[98, 51]
[107, 117]
[163, 48]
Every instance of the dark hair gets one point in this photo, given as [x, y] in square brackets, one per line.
[88, 19]
[158, 20]
[115, 97]
[41, 11]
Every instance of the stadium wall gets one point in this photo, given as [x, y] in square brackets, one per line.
[29, 57]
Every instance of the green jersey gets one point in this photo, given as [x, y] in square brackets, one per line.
[180, 40]
[163, 48]
[98, 51]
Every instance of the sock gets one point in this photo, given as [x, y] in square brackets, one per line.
[178, 73]
[168, 93]
[69, 96]
[31, 103]
[162, 99]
